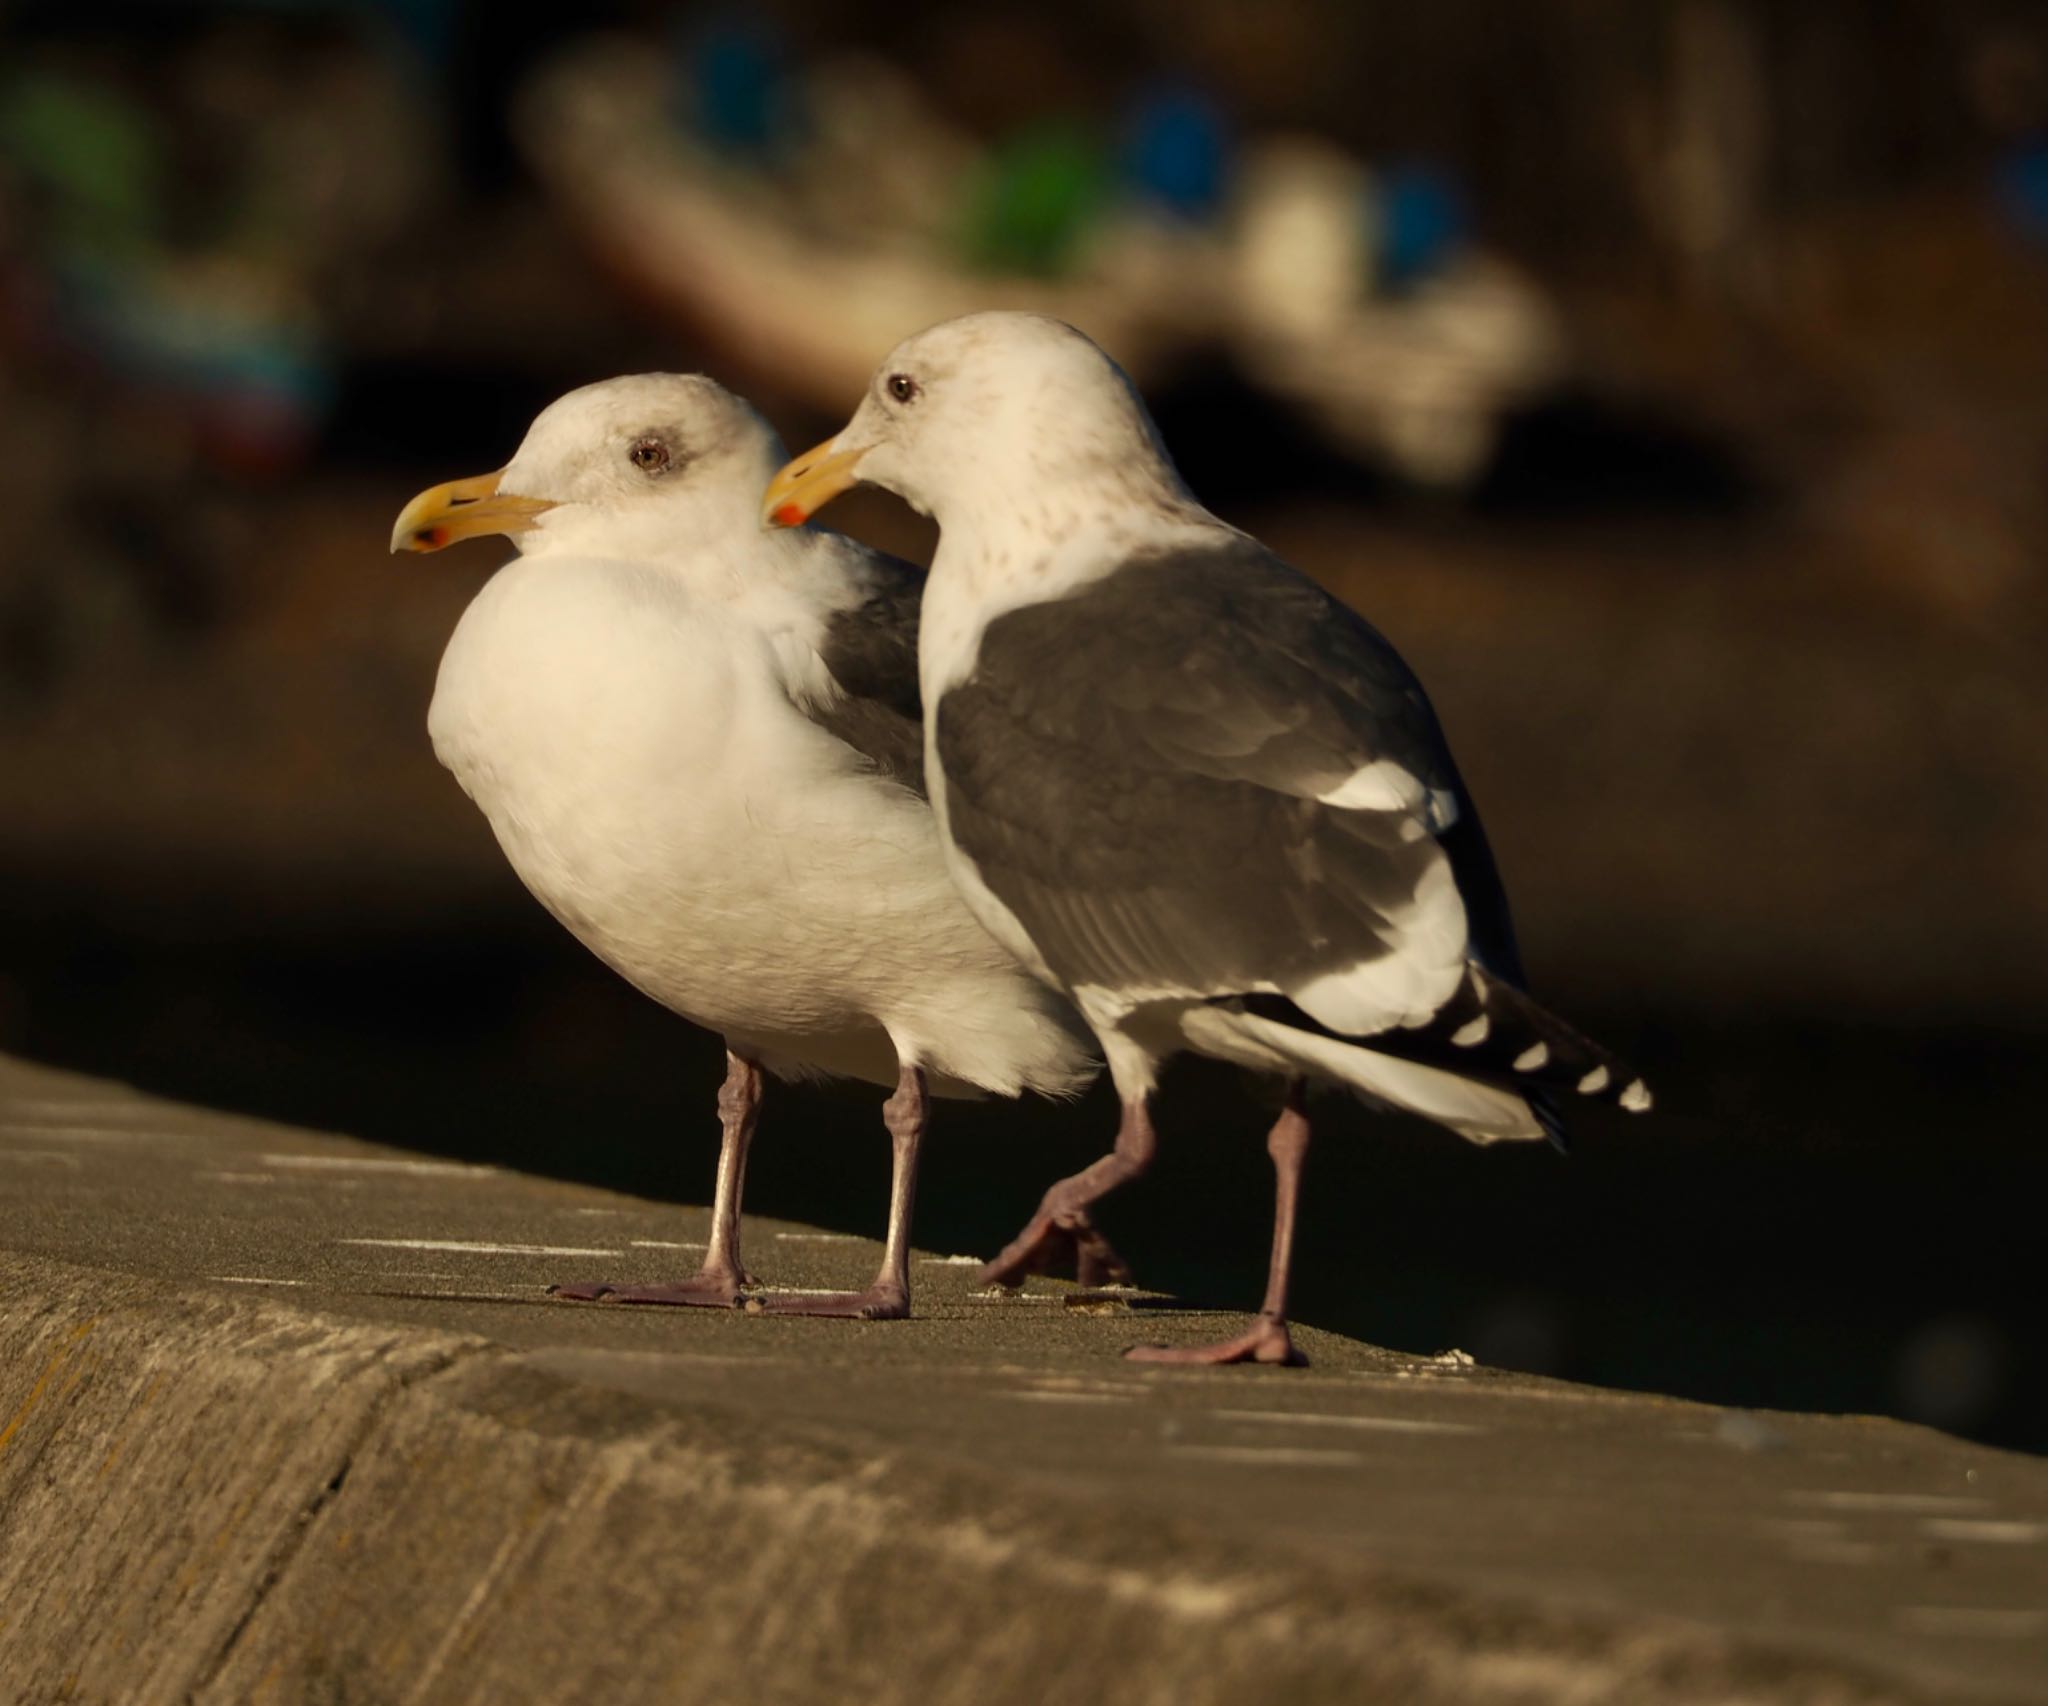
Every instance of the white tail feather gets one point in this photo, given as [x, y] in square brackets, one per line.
[1480, 1112]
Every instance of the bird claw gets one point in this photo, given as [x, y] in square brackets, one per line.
[1266, 1341]
[877, 1303]
[1046, 1241]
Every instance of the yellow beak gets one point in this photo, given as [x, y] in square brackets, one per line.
[808, 484]
[463, 509]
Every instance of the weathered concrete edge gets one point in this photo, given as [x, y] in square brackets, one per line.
[206, 1496]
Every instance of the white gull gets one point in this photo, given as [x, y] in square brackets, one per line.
[697, 742]
[1183, 784]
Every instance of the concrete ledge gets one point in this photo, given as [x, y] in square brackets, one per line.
[241, 1502]
[162, 1459]
[208, 1493]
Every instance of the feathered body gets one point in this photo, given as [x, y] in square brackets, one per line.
[698, 745]
[643, 745]
[1183, 784]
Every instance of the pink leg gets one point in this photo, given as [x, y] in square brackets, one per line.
[717, 1284]
[888, 1298]
[1062, 1220]
[1266, 1340]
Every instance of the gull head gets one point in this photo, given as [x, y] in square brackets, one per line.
[989, 411]
[627, 467]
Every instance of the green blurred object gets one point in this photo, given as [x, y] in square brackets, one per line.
[1030, 207]
[92, 159]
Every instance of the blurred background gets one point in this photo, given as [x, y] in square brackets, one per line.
[1669, 378]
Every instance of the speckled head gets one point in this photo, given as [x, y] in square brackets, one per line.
[992, 410]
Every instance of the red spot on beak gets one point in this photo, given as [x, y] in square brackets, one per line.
[789, 515]
[432, 537]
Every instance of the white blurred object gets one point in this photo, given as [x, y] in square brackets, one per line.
[813, 269]
[849, 244]
[1418, 380]
[1303, 258]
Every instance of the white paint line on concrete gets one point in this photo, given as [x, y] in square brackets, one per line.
[1988, 1529]
[1972, 1620]
[467, 1247]
[1322, 1419]
[1296, 1456]
[1905, 1504]
[1073, 1397]
[664, 1244]
[378, 1164]
[817, 1238]
[251, 1279]
[577, 1359]
[951, 1261]
[43, 1157]
[1075, 1383]
[243, 1178]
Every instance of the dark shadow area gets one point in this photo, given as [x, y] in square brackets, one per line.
[392, 415]
[1240, 447]
[1572, 455]
[1577, 455]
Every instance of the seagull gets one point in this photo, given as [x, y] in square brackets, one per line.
[698, 744]
[1183, 784]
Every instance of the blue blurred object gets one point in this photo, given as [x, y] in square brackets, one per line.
[1423, 225]
[2020, 187]
[735, 89]
[1177, 150]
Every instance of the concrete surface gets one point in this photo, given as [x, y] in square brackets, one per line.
[286, 1417]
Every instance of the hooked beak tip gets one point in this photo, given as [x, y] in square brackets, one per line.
[807, 483]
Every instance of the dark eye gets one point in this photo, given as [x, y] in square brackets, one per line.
[650, 456]
[902, 387]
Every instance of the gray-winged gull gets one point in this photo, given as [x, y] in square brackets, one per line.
[697, 742]
[1182, 783]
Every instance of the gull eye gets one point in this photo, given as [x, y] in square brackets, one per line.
[902, 387]
[650, 456]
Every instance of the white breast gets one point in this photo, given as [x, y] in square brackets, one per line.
[651, 783]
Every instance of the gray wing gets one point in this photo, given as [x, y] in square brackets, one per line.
[1204, 774]
[870, 650]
